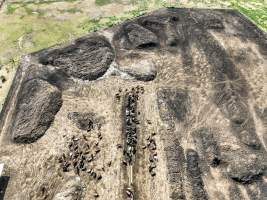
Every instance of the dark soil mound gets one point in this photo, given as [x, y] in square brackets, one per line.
[87, 58]
[37, 106]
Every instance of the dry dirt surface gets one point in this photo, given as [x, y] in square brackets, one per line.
[168, 106]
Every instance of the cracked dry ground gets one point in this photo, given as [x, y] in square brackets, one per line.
[168, 106]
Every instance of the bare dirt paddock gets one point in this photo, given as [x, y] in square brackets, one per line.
[170, 105]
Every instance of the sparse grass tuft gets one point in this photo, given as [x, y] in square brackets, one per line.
[102, 2]
[95, 24]
[11, 8]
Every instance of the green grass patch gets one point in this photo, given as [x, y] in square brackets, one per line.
[96, 24]
[40, 2]
[102, 2]
[45, 33]
[259, 16]
[70, 10]
[11, 8]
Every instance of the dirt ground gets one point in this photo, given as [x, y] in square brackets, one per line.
[170, 105]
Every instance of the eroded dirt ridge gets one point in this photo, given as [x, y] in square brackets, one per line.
[188, 120]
